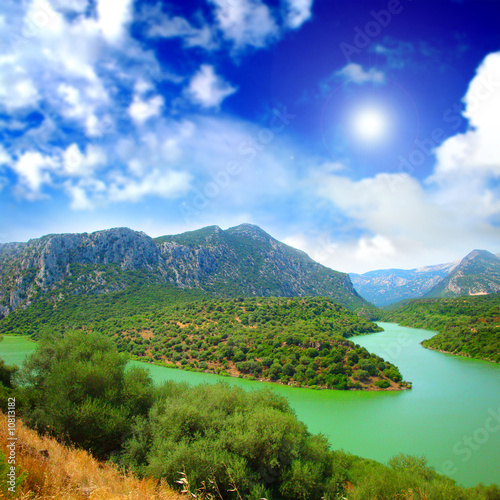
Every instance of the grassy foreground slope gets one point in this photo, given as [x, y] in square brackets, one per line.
[297, 341]
[54, 471]
[467, 326]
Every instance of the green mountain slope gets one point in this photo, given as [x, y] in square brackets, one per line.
[467, 326]
[243, 260]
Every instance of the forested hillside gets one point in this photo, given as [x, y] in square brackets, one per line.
[467, 326]
[297, 341]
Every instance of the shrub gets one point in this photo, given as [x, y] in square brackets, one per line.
[251, 441]
[76, 388]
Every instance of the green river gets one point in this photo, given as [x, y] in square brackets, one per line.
[452, 414]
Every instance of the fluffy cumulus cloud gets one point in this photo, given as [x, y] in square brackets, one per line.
[17, 90]
[208, 89]
[297, 12]
[78, 164]
[142, 109]
[475, 153]
[5, 158]
[103, 132]
[113, 18]
[245, 23]
[34, 170]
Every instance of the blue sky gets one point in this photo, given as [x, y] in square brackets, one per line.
[363, 132]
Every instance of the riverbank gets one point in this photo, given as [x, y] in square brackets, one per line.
[451, 399]
[354, 384]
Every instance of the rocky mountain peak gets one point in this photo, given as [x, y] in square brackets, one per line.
[484, 254]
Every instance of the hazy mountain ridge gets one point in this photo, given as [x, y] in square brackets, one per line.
[243, 260]
[477, 273]
[386, 286]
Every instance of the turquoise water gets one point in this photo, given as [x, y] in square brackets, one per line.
[14, 348]
[452, 414]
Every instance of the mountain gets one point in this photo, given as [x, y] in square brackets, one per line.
[241, 261]
[477, 274]
[387, 286]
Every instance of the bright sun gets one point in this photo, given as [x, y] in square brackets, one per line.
[370, 124]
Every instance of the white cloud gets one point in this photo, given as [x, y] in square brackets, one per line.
[403, 224]
[387, 204]
[170, 184]
[17, 90]
[50, 41]
[355, 73]
[404, 221]
[5, 158]
[82, 104]
[468, 164]
[297, 12]
[245, 23]
[475, 152]
[114, 16]
[142, 110]
[34, 170]
[160, 25]
[142, 86]
[79, 198]
[207, 89]
[78, 164]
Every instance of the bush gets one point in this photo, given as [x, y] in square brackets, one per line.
[76, 388]
[362, 375]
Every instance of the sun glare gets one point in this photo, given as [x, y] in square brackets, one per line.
[370, 124]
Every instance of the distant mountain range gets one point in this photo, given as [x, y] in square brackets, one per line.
[476, 274]
[240, 261]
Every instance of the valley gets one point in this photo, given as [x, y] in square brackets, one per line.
[186, 308]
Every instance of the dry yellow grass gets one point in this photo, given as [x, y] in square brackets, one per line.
[59, 472]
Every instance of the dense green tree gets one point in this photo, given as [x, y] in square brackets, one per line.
[77, 387]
